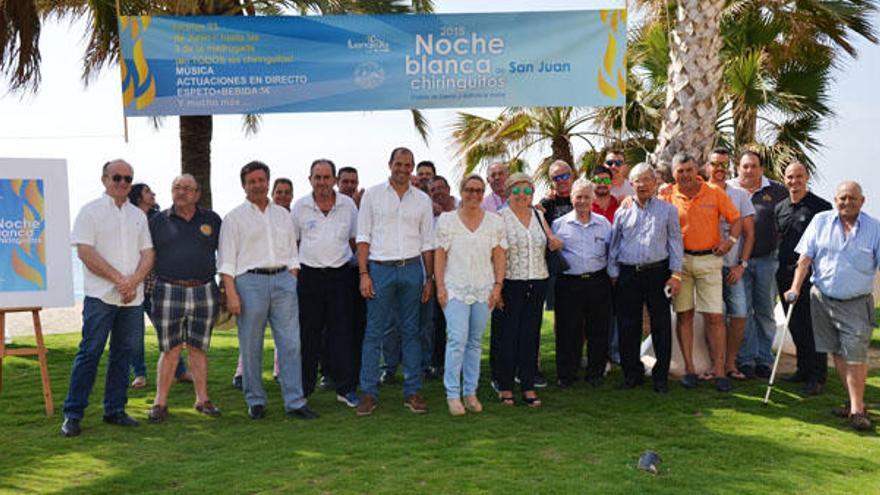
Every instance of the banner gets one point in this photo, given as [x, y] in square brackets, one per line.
[35, 264]
[235, 64]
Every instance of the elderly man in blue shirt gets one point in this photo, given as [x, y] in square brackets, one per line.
[584, 290]
[644, 263]
[843, 249]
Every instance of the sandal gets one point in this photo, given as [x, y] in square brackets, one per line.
[506, 400]
[533, 402]
[736, 375]
[707, 376]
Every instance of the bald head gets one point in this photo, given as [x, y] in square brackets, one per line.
[849, 200]
[796, 177]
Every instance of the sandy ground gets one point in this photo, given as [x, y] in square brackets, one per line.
[53, 320]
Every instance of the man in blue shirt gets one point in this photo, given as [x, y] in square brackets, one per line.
[644, 259]
[843, 250]
[584, 290]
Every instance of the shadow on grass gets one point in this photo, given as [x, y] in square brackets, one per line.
[582, 440]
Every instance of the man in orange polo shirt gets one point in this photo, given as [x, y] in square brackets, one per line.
[700, 208]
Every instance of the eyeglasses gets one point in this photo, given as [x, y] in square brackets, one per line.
[186, 189]
[521, 190]
[561, 177]
[119, 178]
[614, 163]
[602, 180]
[473, 190]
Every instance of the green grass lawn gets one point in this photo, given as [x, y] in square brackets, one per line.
[583, 440]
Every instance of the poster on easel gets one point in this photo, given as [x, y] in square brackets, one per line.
[35, 263]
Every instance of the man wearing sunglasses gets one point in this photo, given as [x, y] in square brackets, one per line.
[604, 203]
[620, 186]
[112, 238]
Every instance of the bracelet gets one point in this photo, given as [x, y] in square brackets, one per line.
[498, 284]
[676, 277]
[365, 273]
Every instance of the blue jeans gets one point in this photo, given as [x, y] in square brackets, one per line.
[760, 287]
[465, 324]
[138, 362]
[272, 299]
[100, 320]
[398, 290]
[391, 338]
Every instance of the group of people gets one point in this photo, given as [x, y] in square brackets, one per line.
[356, 282]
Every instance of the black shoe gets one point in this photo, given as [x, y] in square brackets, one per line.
[236, 382]
[631, 383]
[795, 378]
[304, 412]
[564, 382]
[748, 371]
[432, 373]
[661, 387]
[70, 427]
[689, 381]
[121, 419]
[257, 411]
[723, 385]
[763, 371]
[812, 388]
[540, 381]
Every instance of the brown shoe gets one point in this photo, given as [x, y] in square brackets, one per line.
[456, 408]
[157, 414]
[367, 405]
[416, 404]
[207, 408]
[860, 421]
[471, 403]
[841, 411]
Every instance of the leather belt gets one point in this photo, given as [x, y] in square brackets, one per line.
[587, 275]
[704, 252]
[647, 266]
[184, 283]
[267, 271]
[397, 263]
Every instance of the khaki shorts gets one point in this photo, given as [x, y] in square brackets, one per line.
[701, 285]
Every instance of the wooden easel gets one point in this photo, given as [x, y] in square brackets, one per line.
[39, 351]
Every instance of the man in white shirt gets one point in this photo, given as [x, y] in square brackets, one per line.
[325, 224]
[394, 233]
[112, 239]
[257, 260]
[496, 177]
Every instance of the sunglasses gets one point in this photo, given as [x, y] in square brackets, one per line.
[561, 177]
[602, 180]
[718, 164]
[614, 163]
[473, 190]
[521, 190]
[120, 178]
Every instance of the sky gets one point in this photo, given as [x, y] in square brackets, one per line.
[84, 125]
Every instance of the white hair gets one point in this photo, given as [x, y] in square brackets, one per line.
[642, 168]
[582, 183]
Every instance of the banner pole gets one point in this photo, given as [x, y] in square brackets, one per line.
[121, 61]
[623, 115]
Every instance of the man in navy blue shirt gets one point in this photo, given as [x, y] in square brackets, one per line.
[185, 297]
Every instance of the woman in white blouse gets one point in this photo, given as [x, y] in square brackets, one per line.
[469, 270]
[518, 321]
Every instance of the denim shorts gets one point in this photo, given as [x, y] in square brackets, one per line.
[735, 304]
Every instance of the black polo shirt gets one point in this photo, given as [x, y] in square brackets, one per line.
[556, 207]
[185, 250]
[792, 220]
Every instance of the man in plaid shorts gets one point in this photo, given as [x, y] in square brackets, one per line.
[185, 296]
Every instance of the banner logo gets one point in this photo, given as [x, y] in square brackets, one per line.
[22, 235]
[138, 85]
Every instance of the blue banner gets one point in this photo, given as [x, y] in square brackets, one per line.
[22, 235]
[216, 65]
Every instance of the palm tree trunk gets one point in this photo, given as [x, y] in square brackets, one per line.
[694, 80]
[195, 152]
[745, 124]
[561, 147]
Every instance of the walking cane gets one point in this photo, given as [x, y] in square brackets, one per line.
[791, 304]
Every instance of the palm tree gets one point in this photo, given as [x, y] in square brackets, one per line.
[479, 141]
[20, 22]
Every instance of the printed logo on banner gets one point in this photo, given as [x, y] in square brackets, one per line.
[369, 75]
[371, 43]
[22, 235]
[138, 85]
[607, 79]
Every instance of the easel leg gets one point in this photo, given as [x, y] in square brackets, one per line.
[44, 365]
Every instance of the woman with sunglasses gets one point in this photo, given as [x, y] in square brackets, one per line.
[518, 320]
[469, 270]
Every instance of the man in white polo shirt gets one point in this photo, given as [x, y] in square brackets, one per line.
[112, 239]
[325, 224]
[395, 239]
[257, 259]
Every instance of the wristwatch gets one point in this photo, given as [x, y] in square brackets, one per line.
[744, 263]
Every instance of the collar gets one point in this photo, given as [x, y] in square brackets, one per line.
[172, 212]
[702, 190]
[571, 217]
[110, 201]
[256, 208]
[389, 187]
[310, 201]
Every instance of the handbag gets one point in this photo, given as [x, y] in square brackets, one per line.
[556, 264]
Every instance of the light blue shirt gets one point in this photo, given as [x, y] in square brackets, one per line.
[586, 245]
[843, 268]
[741, 200]
[643, 235]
